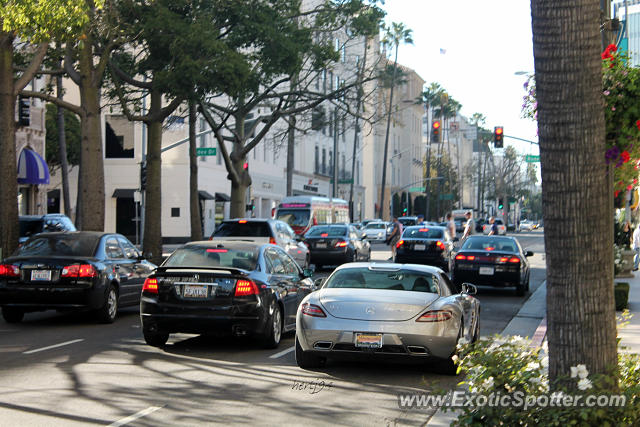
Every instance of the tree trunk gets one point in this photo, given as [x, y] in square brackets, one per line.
[386, 139]
[152, 243]
[291, 146]
[62, 149]
[578, 224]
[91, 203]
[8, 166]
[239, 188]
[194, 198]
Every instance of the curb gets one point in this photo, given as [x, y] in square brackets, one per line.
[540, 334]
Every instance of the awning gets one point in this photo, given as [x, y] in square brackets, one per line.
[221, 197]
[32, 169]
[123, 193]
[205, 196]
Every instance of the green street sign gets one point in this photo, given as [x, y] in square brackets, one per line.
[447, 196]
[416, 190]
[206, 151]
[531, 158]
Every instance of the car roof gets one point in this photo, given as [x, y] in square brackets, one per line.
[233, 244]
[252, 220]
[478, 236]
[387, 266]
[435, 227]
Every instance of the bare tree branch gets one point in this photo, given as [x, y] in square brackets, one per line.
[31, 70]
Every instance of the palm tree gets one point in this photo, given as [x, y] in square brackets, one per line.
[395, 35]
[576, 192]
[430, 98]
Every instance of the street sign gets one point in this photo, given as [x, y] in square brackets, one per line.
[447, 196]
[206, 151]
[416, 190]
[529, 158]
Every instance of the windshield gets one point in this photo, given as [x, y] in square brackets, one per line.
[82, 245]
[243, 229]
[30, 226]
[376, 226]
[204, 256]
[401, 280]
[327, 231]
[490, 244]
[423, 233]
[294, 217]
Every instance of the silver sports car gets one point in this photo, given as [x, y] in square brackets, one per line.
[371, 310]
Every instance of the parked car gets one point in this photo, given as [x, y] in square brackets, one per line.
[224, 287]
[492, 261]
[264, 231]
[425, 245]
[367, 221]
[358, 226]
[72, 270]
[526, 225]
[386, 311]
[407, 221]
[502, 230]
[376, 231]
[480, 222]
[34, 224]
[336, 244]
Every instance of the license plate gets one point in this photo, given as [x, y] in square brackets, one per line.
[44, 275]
[420, 247]
[321, 245]
[369, 340]
[194, 291]
[487, 271]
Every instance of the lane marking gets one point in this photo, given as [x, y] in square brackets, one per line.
[127, 420]
[282, 353]
[52, 346]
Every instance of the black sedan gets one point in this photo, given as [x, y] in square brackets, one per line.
[72, 270]
[492, 261]
[425, 245]
[336, 244]
[224, 288]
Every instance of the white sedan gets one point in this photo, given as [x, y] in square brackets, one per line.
[526, 225]
[502, 229]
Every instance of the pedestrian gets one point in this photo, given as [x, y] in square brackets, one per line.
[394, 237]
[420, 220]
[636, 247]
[468, 228]
[494, 227]
[451, 226]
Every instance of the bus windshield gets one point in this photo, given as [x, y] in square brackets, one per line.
[294, 217]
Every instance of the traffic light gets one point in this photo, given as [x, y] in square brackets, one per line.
[500, 204]
[245, 167]
[498, 137]
[435, 131]
[24, 112]
[143, 176]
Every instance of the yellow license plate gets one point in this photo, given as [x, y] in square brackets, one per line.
[369, 340]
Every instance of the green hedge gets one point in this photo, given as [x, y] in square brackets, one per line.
[621, 292]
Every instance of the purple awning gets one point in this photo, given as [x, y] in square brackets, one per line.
[32, 169]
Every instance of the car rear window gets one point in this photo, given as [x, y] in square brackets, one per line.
[243, 229]
[401, 280]
[327, 231]
[423, 232]
[30, 226]
[206, 256]
[82, 245]
[294, 217]
[376, 226]
[490, 244]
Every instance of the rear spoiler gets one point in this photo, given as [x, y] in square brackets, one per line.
[180, 269]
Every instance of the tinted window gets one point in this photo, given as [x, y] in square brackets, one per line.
[113, 249]
[297, 217]
[274, 262]
[327, 231]
[402, 280]
[407, 221]
[290, 266]
[423, 233]
[246, 229]
[376, 225]
[129, 250]
[490, 244]
[75, 245]
[29, 227]
[203, 256]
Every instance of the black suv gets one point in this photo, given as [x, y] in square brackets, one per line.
[34, 224]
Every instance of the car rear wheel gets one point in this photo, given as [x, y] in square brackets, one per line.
[155, 338]
[306, 360]
[108, 312]
[521, 288]
[12, 315]
[272, 337]
[448, 366]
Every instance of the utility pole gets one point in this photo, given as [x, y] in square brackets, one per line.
[334, 188]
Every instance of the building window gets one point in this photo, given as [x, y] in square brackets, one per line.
[175, 212]
[331, 81]
[344, 168]
[316, 169]
[324, 161]
[330, 162]
[116, 147]
[324, 81]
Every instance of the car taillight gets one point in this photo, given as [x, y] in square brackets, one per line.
[435, 316]
[461, 257]
[514, 260]
[150, 285]
[272, 240]
[79, 270]
[246, 287]
[312, 310]
[400, 243]
[9, 270]
[439, 244]
[341, 244]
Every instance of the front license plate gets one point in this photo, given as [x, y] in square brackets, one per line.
[194, 291]
[486, 271]
[321, 245]
[420, 247]
[44, 275]
[369, 340]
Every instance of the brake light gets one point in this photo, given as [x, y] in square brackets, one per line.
[400, 243]
[489, 248]
[242, 221]
[324, 235]
[150, 285]
[79, 270]
[9, 270]
[514, 260]
[341, 244]
[435, 316]
[461, 257]
[423, 230]
[312, 310]
[217, 251]
[471, 257]
[503, 260]
[440, 244]
[246, 287]
[272, 240]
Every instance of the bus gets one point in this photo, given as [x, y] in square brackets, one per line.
[302, 212]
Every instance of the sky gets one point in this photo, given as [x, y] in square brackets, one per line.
[485, 44]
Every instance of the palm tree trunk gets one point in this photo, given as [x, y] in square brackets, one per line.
[578, 221]
[386, 139]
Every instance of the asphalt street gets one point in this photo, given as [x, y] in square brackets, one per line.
[66, 370]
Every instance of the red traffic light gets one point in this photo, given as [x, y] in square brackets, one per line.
[245, 166]
[436, 124]
[499, 131]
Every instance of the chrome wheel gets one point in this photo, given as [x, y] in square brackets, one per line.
[277, 325]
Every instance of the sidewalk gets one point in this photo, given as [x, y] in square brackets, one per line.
[630, 334]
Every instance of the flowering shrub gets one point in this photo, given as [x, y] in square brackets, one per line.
[619, 261]
[509, 366]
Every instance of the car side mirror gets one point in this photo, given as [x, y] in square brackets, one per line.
[307, 272]
[317, 284]
[469, 289]
[528, 253]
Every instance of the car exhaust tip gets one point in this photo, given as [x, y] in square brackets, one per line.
[414, 349]
[323, 345]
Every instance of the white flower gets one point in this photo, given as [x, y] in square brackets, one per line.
[535, 380]
[579, 371]
[532, 366]
[492, 348]
[584, 384]
[487, 384]
[509, 388]
[516, 338]
[455, 358]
